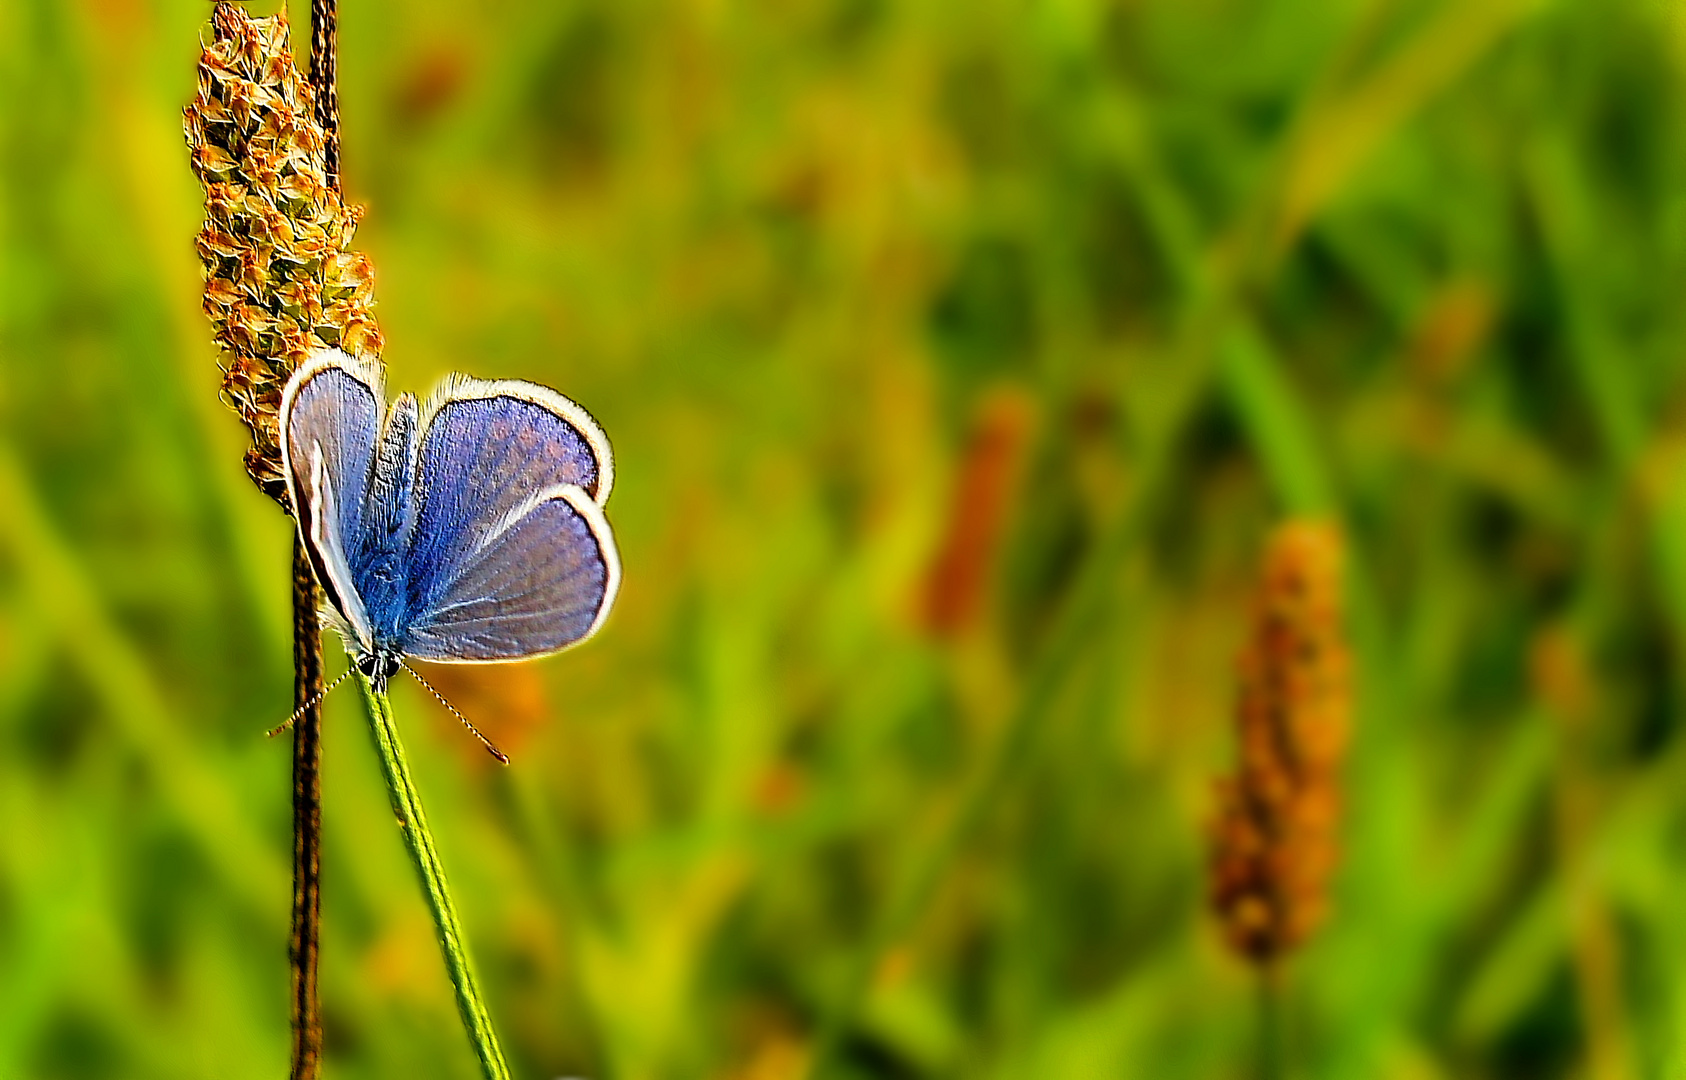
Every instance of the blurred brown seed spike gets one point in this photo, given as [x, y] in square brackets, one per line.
[983, 505]
[281, 279]
[1273, 844]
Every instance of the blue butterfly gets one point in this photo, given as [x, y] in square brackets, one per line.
[468, 529]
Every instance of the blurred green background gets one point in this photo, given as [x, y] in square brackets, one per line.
[957, 358]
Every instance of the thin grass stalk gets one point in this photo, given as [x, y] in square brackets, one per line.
[418, 840]
[304, 951]
[305, 944]
[324, 76]
[307, 647]
[1272, 1047]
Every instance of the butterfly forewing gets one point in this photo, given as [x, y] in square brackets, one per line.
[330, 421]
[488, 447]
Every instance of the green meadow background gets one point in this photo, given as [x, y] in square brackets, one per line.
[958, 358]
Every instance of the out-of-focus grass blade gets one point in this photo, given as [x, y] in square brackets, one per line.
[204, 803]
[1338, 137]
[1279, 430]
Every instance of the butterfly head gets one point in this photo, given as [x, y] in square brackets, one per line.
[379, 666]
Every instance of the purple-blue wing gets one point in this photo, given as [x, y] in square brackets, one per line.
[540, 578]
[485, 449]
[330, 420]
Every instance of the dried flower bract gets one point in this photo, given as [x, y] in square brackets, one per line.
[1274, 839]
[281, 279]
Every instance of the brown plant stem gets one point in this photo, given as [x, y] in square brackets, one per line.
[304, 951]
[305, 944]
[324, 77]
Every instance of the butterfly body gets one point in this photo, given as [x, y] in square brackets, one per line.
[468, 529]
[389, 522]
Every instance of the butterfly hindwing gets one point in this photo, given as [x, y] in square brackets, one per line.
[486, 447]
[543, 579]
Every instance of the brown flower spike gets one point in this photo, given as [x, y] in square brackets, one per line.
[281, 278]
[1273, 842]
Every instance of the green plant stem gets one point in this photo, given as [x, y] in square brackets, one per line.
[406, 805]
[1272, 1057]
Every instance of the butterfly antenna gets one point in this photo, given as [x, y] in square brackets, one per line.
[315, 700]
[472, 730]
